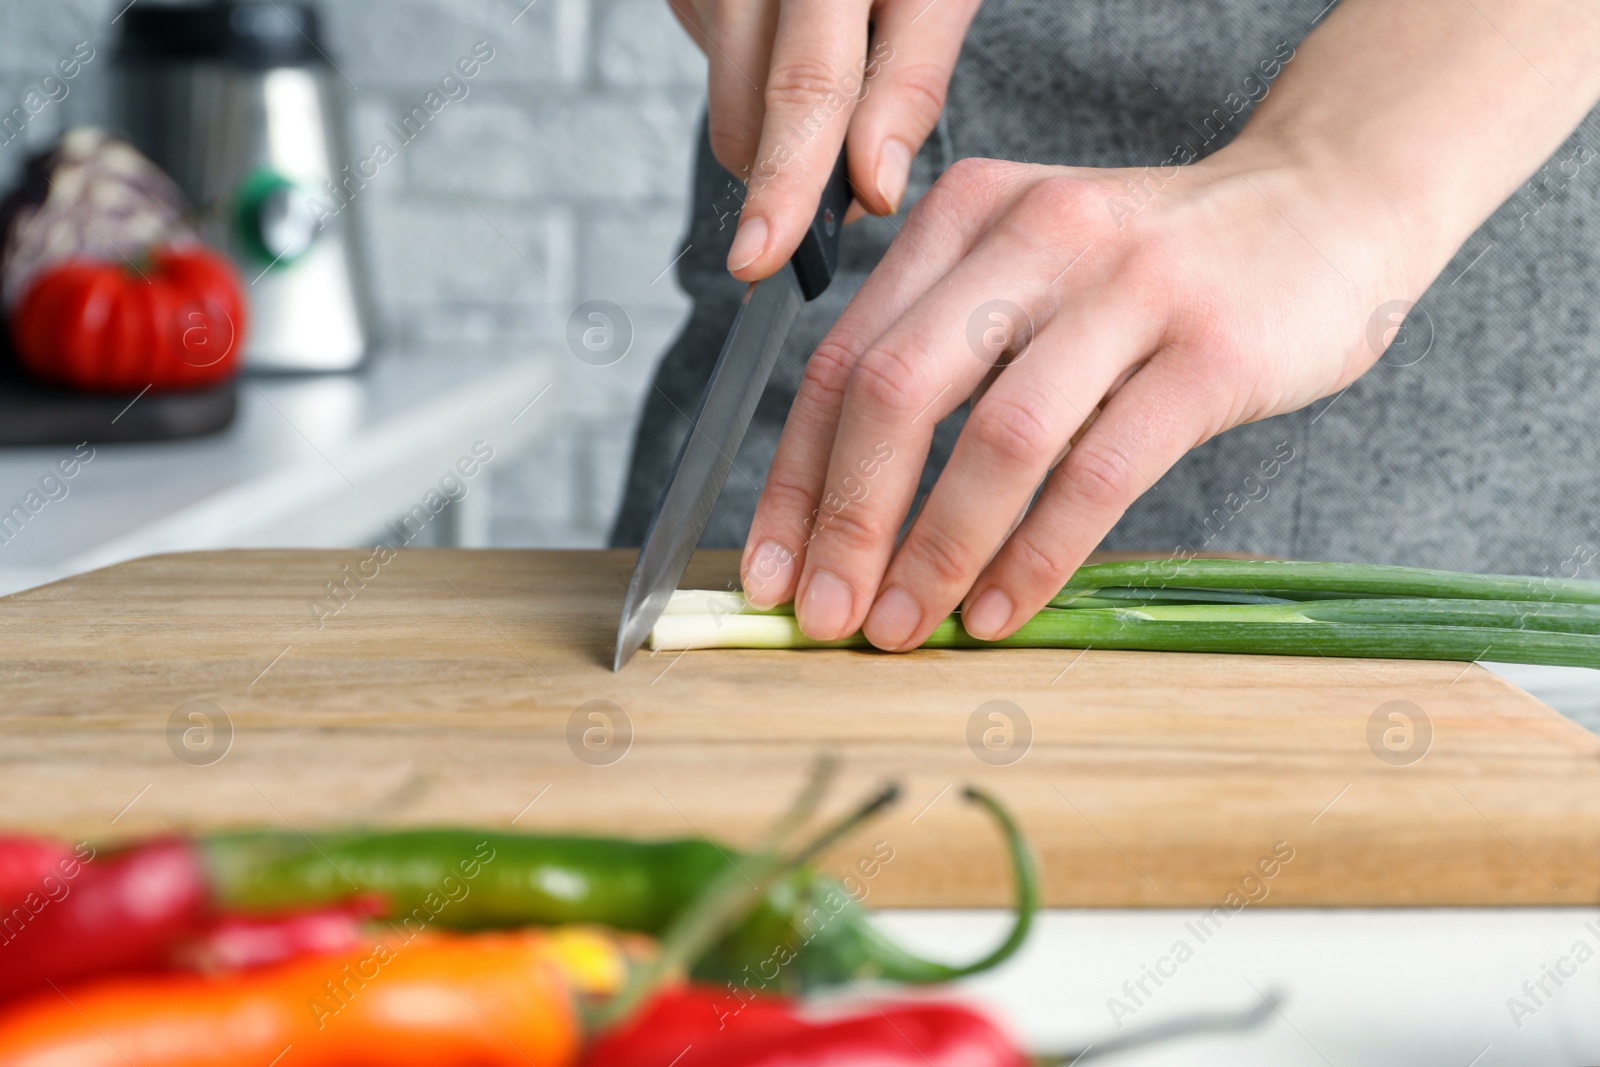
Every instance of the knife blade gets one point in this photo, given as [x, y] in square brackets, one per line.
[737, 381]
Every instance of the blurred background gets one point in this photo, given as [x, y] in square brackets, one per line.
[557, 174]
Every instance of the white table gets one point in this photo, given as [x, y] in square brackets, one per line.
[1357, 987]
[317, 461]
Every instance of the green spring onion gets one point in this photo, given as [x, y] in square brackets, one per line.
[1236, 606]
[1297, 580]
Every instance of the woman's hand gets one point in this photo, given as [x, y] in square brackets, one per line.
[1143, 311]
[1182, 300]
[788, 78]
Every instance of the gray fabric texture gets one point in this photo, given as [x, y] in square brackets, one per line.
[1479, 456]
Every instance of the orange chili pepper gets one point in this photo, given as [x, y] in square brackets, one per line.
[505, 999]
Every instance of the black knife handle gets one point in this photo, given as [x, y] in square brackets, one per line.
[818, 255]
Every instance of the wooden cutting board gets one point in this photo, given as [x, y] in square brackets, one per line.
[456, 687]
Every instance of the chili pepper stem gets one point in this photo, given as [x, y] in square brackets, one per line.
[830, 836]
[896, 964]
[725, 902]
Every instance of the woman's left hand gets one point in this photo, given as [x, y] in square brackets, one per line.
[1143, 312]
[1181, 301]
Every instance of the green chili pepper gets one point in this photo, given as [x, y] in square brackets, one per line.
[808, 932]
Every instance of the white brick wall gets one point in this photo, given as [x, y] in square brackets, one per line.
[569, 157]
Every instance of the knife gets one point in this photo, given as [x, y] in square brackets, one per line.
[729, 402]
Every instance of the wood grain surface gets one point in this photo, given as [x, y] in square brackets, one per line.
[455, 687]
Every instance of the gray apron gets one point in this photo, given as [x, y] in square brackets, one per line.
[1472, 446]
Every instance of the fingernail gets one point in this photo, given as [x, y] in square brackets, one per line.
[766, 579]
[825, 612]
[989, 615]
[894, 619]
[747, 243]
[894, 167]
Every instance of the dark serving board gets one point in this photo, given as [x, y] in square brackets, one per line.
[35, 414]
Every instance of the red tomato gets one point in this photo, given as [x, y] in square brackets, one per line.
[178, 322]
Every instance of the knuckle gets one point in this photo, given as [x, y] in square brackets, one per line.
[1013, 431]
[785, 496]
[1061, 191]
[936, 212]
[1037, 565]
[968, 176]
[850, 529]
[800, 82]
[968, 184]
[1056, 199]
[1100, 475]
[920, 89]
[890, 382]
[828, 370]
[941, 556]
[732, 143]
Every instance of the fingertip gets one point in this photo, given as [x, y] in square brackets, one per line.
[989, 617]
[892, 173]
[826, 607]
[749, 242]
[865, 161]
[768, 575]
[895, 621]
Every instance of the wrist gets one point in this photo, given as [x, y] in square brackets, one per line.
[1385, 226]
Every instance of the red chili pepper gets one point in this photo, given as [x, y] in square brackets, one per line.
[122, 911]
[708, 1027]
[234, 941]
[67, 915]
[26, 866]
[694, 1015]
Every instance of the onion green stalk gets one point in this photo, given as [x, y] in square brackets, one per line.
[1234, 606]
[1298, 580]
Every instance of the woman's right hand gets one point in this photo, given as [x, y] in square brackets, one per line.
[790, 80]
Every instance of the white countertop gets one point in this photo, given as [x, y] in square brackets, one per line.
[1355, 987]
[312, 461]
